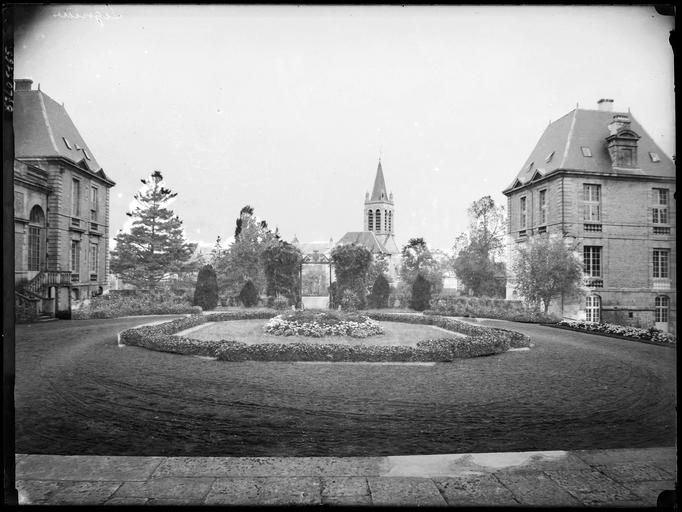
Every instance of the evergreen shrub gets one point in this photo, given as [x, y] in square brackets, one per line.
[421, 294]
[206, 292]
[249, 295]
[378, 297]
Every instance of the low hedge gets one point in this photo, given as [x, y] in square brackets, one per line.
[480, 341]
[113, 306]
[481, 307]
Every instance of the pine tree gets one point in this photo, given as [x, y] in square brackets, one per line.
[249, 295]
[155, 245]
[206, 291]
[378, 298]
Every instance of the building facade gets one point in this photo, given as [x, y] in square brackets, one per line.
[61, 206]
[598, 180]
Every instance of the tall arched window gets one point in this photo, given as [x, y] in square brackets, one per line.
[378, 220]
[390, 222]
[35, 237]
[385, 220]
[662, 309]
[593, 308]
[370, 221]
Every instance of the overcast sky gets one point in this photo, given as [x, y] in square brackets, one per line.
[288, 108]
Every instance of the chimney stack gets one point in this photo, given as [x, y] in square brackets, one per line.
[605, 105]
[619, 122]
[23, 84]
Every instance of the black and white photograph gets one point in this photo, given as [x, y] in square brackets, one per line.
[339, 255]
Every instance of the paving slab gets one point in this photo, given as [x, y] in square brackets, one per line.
[634, 472]
[649, 491]
[394, 491]
[593, 488]
[345, 490]
[535, 488]
[265, 491]
[664, 454]
[86, 467]
[480, 463]
[65, 492]
[190, 490]
[126, 501]
[218, 467]
[475, 490]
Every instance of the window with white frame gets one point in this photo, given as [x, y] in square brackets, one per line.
[94, 203]
[542, 204]
[75, 256]
[592, 261]
[662, 308]
[660, 206]
[522, 213]
[661, 263]
[593, 308]
[591, 202]
[75, 197]
[93, 258]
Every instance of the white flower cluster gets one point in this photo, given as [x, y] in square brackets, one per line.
[278, 326]
[621, 330]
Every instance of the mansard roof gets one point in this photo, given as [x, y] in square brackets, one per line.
[560, 148]
[379, 192]
[43, 129]
[364, 238]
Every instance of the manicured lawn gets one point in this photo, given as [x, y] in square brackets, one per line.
[251, 331]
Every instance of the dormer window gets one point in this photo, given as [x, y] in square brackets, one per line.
[549, 157]
[530, 166]
[654, 157]
[85, 152]
[69, 145]
[586, 151]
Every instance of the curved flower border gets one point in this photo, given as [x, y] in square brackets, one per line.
[479, 341]
[279, 326]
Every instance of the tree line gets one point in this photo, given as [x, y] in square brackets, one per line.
[259, 263]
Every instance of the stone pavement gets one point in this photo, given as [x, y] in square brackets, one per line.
[626, 477]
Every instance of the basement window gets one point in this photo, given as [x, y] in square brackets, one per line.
[586, 151]
[69, 145]
[654, 157]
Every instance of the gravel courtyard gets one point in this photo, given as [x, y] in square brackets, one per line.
[78, 392]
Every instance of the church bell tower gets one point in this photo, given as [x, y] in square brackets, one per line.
[379, 211]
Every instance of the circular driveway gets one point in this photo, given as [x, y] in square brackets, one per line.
[78, 392]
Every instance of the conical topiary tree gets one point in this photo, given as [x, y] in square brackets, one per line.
[248, 295]
[378, 297]
[206, 291]
[421, 294]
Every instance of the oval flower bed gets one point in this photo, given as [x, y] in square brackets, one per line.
[318, 324]
[478, 341]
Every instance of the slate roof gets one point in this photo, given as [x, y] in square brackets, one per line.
[365, 238]
[379, 186]
[589, 128]
[40, 127]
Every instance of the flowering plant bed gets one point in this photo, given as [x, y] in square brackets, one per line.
[317, 324]
[478, 341]
[620, 331]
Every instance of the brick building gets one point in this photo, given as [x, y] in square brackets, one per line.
[61, 206]
[597, 179]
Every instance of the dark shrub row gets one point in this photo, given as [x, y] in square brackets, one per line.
[478, 307]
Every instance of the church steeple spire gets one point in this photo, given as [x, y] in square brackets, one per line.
[378, 209]
[379, 191]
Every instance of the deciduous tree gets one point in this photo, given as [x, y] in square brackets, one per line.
[417, 259]
[351, 266]
[545, 269]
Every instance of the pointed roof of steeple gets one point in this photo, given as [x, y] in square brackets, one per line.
[379, 186]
